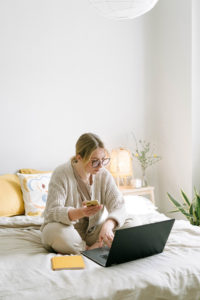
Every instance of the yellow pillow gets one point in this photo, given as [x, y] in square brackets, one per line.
[31, 171]
[11, 199]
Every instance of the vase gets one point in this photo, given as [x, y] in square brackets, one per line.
[144, 178]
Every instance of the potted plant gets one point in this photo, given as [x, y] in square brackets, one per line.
[144, 153]
[190, 209]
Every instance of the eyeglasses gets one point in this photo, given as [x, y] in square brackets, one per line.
[96, 162]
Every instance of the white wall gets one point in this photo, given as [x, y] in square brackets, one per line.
[170, 98]
[196, 92]
[65, 70]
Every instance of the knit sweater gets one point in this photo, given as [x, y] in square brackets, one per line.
[63, 195]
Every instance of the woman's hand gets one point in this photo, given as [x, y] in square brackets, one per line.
[106, 234]
[84, 211]
[91, 210]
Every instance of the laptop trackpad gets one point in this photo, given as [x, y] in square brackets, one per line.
[101, 252]
[104, 256]
[98, 254]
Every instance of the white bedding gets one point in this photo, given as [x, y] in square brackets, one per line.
[25, 268]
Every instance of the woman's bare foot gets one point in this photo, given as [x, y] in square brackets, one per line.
[95, 245]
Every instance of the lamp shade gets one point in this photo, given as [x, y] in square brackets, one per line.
[123, 9]
[121, 163]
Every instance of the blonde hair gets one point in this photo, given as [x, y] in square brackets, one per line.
[86, 144]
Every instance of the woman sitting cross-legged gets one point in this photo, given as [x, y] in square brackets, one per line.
[69, 225]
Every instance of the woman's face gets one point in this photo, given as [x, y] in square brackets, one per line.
[96, 162]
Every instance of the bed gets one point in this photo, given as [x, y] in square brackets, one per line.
[26, 273]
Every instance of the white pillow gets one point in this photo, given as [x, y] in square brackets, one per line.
[35, 189]
[138, 205]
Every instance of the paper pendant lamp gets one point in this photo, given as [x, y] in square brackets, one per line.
[123, 9]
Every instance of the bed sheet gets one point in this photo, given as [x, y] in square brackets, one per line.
[21, 221]
[25, 268]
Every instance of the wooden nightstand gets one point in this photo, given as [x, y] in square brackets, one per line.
[147, 190]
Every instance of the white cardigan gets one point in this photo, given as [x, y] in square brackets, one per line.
[63, 195]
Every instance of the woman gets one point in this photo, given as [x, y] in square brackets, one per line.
[69, 225]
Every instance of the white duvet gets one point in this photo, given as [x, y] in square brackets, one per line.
[25, 267]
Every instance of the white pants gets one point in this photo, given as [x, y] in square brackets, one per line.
[65, 239]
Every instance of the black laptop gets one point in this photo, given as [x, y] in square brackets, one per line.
[133, 243]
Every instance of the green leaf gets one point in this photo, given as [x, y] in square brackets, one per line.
[192, 221]
[194, 213]
[173, 201]
[195, 192]
[173, 211]
[198, 206]
[185, 198]
[197, 210]
[191, 209]
[179, 206]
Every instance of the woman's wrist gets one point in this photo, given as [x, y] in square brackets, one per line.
[113, 223]
[75, 214]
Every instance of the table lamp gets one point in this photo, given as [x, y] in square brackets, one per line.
[121, 165]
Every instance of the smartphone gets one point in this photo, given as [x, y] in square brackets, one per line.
[92, 203]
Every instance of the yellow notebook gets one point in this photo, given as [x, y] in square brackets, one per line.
[70, 262]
